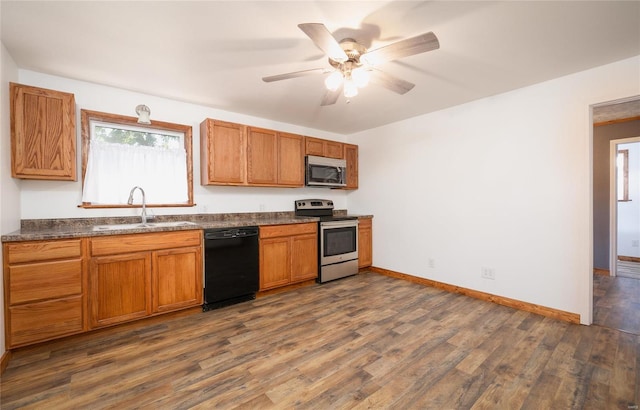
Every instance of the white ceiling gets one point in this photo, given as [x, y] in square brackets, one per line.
[215, 53]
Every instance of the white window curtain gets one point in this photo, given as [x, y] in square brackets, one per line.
[113, 169]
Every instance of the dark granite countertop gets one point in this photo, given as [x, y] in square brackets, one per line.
[45, 229]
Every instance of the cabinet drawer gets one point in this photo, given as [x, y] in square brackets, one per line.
[46, 320]
[39, 251]
[48, 280]
[273, 231]
[111, 245]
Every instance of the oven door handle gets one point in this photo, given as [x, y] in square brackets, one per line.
[339, 224]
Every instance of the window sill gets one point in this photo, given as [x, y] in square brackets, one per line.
[90, 206]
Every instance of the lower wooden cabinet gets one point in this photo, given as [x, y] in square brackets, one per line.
[176, 279]
[120, 288]
[62, 287]
[134, 276]
[365, 245]
[44, 290]
[288, 254]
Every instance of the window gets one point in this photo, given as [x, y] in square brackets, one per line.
[622, 175]
[118, 154]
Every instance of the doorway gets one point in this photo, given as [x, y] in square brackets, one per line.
[615, 299]
[624, 200]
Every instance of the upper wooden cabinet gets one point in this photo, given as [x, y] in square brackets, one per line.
[222, 153]
[43, 137]
[262, 156]
[323, 148]
[235, 154]
[290, 159]
[351, 156]
[274, 158]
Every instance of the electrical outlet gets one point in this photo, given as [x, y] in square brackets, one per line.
[635, 243]
[488, 273]
[432, 263]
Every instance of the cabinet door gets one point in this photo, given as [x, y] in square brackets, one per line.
[222, 152]
[323, 148]
[333, 149]
[120, 288]
[314, 146]
[177, 279]
[43, 134]
[262, 156]
[365, 251]
[290, 160]
[304, 257]
[275, 262]
[351, 156]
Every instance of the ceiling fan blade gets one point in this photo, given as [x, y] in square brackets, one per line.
[392, 83]
[295, 74]
[403, 48]
[330, 97]
[322, 38]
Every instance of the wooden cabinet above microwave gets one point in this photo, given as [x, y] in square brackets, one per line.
[323, 148]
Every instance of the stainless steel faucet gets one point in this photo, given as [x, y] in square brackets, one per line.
[144, 203]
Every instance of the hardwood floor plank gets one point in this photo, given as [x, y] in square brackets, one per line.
[623, 376]
[367, 341]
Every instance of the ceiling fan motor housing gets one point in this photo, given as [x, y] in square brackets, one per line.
[353, 50]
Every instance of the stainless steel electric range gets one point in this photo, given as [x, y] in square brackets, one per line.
[337, 239]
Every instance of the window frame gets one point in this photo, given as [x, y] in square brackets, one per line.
[86, 116]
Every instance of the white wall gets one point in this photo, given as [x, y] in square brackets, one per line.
[502, 183]
[629, 212]
[9, 187]
[62, 198]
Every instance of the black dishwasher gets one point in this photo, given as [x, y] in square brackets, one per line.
[230, 266]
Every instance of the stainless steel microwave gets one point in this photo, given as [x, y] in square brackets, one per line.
[325, 172]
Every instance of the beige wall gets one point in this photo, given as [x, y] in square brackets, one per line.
[10, 197]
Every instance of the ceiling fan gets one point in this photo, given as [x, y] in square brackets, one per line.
[354, 65]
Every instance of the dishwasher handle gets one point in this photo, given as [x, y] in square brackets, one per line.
[230, 233]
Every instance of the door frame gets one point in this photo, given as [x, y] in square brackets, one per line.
[588, 292]
[613, 201]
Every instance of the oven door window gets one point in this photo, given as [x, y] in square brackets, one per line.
[321, 173]
[339, 241]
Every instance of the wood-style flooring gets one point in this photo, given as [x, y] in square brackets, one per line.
[364, 342]
[628, 269]
[616, 303]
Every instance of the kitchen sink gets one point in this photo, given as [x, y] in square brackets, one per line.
[117, 227]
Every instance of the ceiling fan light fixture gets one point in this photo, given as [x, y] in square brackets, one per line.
[360, 77]
[334, 81]
[350, 88]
